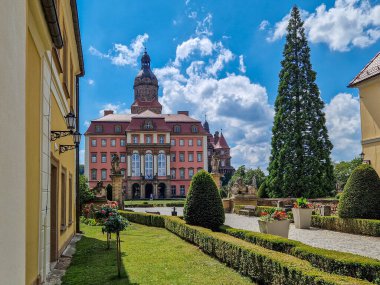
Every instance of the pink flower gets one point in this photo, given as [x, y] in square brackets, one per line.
[103, 212]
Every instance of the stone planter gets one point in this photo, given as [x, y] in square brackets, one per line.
[302, 218]
[227, 205]
[278, 228]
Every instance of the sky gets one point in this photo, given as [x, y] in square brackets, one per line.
[222, 59]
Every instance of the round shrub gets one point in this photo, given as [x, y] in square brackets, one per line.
[203, 206]
[262, 193]
[361, 195]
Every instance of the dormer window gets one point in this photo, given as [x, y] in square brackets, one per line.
[117, 129]
[98, 129]
[177, 129]
[148, 125]
[194, 129]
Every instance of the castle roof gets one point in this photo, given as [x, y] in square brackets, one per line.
[222, 143]
[371, 70]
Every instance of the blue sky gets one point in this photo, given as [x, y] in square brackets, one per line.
[222, 58]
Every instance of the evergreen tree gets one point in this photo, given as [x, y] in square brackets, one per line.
[300, 162]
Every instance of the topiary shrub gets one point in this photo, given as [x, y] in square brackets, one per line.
[262, 193]
[361, 195]
[203, 206]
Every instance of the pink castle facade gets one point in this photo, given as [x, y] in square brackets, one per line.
[159, 153]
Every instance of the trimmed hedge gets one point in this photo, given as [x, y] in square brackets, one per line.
[203, 206]
[261, 264]
[352, 226]
[145, 219]
[362, 188]
[258, 210]
[328, 260]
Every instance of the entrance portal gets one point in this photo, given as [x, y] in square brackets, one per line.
[161, 190]
[136, 191]
[148, 190]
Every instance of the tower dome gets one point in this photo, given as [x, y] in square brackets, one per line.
[145, 75]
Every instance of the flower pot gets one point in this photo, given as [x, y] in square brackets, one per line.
[278, 228]
[302, 217]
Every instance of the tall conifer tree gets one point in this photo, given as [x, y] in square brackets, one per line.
[300, 162]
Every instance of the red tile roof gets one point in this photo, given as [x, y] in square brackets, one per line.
[222, 143]
[372, 69]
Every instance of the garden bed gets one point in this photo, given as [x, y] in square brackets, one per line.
[261, 264]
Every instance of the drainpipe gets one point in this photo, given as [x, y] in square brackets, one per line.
[77, 206]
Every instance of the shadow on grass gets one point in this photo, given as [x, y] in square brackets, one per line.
[93, 264]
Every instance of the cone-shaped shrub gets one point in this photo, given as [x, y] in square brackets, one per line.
[203, 206]
[361, 195]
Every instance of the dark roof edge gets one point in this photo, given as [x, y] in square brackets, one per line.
[51, 18]
[74, 11]
[352, 84]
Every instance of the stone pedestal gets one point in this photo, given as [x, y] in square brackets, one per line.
[243, 200]
[117, 190]
[217, 180]
[227, 205]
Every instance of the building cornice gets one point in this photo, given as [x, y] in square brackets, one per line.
[370, 141]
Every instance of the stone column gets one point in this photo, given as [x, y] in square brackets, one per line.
[142, 191]
[129, 165]
[155, 190]
[216, 177]
[142, 164]
[117, 189]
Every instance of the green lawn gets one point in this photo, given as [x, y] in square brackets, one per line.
[150, 256]
[153, 202]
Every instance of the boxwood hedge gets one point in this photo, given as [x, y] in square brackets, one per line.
[352, 226]
[328, 260]
[257, 261]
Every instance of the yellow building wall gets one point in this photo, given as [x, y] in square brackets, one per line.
[370, 120]
[66, 163]
[33, 153]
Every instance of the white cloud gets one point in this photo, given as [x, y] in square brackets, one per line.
[187, 48]
[193, 15]
[187, 2]
[116, 108]
[263, 25]
[86, 123]
[122, 55]
[204, 26]
[348, 24]
[343, 124]
[224, 56]
[242, 66]
[91, 82]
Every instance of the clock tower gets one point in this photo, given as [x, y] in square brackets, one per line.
[146, 89]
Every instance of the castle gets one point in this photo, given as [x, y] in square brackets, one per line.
[158, 153]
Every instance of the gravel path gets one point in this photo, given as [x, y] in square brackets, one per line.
[362, 245]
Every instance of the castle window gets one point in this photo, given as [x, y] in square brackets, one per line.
[173, 173]
[191, 172]
[122, 157]
[182, 157]
[172, 142]
[148, 139]
[190, 142]
[174, 190]
[182, 190]
[93, 157]
[93, 142]
[194, 129]
[122, 142]
[104, 157]
[135, 164]
[161, 164]
[113, 142]
[181, 142]
[177, 129]
[104, 142]
[93, 174]
[162, 139]
[122, 172]
[135, 139]
[222, 152]
[199, 142]
[172, 157]
[148, 125]
[104, 174]
[199, 156]
[191, 157]
[149, 166]
[98, 129]
[222, 163]
[117, 129]
[182, 173]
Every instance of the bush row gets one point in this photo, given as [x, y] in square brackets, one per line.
[149, 205]
[260, 264]
[258, 210]
[327, 260]
[145, 219]
[352, 226]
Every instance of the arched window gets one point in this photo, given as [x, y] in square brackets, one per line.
[136, 164]
[149, 166]
[161, 164]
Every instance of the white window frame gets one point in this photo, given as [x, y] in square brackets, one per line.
[136, 165]
[161, 164]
